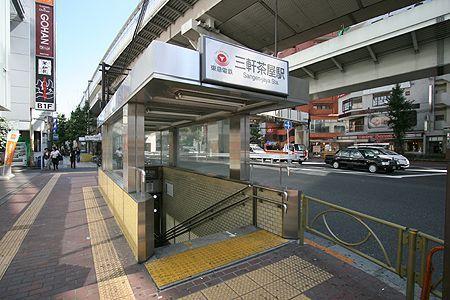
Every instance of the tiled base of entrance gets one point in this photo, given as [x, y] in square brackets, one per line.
[173, 269]
[285, 279]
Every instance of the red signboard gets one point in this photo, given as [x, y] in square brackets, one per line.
[44, 30]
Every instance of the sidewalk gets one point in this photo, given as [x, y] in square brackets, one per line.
[60, 241]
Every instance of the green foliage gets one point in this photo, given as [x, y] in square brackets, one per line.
[400, 116]
[4, 128]
[255, 135]
[79, 124]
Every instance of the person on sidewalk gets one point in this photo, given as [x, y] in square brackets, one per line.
[73, 158]
[78, 153]
[46, 160]
[56, 157]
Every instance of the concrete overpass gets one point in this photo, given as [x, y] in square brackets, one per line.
[250, 23]
[409, 45]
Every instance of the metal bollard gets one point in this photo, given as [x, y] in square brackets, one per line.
[411, 264]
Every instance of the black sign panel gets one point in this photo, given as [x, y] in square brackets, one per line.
[45, 84]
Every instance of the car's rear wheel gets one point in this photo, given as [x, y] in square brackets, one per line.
[373, 168]
[336, 165]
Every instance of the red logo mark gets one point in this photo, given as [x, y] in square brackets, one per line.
[222, 58]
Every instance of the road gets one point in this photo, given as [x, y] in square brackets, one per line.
[412, 198]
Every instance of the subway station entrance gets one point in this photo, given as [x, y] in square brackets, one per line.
[175, 169]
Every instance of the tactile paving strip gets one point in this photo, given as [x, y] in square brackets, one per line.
[264, 284]
[12, 240]
[172, 269]
[112, 281]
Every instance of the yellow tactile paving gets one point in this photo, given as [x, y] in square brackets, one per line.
[12, 240]
[111, 277]
[171, 269]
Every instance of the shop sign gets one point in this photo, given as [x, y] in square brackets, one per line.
[11, 142]
[45, 63]
[229, 64]
[44, 30]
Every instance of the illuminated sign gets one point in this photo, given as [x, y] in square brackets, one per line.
[228, 64]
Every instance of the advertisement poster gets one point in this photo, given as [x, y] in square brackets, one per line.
[11, 142]
[378, 121]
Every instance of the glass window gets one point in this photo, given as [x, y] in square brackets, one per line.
[344, 153]
[440, 117]
[380, 99]
[205, 148]
[355, 154]
[352, 103]
[117, 147]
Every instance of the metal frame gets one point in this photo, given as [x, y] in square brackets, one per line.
[411, 245]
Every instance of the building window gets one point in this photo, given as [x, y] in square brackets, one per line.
[322, 106]
[356, 125]
[440, 118]
[352, 103]
[380, 99]
[407, 93]
[320, 126]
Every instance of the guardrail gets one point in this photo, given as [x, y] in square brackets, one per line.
[400, 249]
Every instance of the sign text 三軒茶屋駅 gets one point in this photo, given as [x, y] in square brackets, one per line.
[234, 65]
[45, 63]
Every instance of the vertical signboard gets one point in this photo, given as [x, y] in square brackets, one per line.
[11, 142]
[45, 61]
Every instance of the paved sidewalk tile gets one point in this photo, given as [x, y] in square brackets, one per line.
[56, 260]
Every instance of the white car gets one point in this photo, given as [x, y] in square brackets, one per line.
[401, 161]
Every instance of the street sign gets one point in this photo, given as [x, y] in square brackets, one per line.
[287, 124]
[55, 126]
[55, 137]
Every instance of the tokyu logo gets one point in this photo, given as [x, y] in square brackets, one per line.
[222, 58]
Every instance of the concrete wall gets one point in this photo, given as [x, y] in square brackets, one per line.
[5, 102]
[21, 68]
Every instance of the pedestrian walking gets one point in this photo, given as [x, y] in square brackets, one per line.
[46, 161]
[55, 157]
[73, 158]
[78, 153]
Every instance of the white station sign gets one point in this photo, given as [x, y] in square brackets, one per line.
[234, 65]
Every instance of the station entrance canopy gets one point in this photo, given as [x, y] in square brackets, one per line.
[179, 86]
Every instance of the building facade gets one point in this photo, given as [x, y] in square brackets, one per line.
[18, 79]
[364, 114]
[324, 125]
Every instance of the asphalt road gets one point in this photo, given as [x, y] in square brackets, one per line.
[413, 198]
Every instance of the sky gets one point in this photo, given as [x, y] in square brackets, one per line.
[84, 30]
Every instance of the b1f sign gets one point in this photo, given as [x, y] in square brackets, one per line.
[233, 65]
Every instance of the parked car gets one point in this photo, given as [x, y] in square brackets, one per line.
[401, 161]
[300, 151]
[358, 158]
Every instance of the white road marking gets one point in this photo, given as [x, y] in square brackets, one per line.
[323, 171]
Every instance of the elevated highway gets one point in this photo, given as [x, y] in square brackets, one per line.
[250, 23]
[409, 45]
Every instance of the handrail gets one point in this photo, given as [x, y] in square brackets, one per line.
[198, 222]
[212, 207]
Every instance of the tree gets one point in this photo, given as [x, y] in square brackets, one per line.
[255, 135]
[80, 123]
[62, 129]
[400, 113]
[4, 128]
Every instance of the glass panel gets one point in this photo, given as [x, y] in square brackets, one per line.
[152, 148]
[205, 148]
[117, 147]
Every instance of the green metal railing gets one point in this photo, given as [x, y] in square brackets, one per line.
[406, 256]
